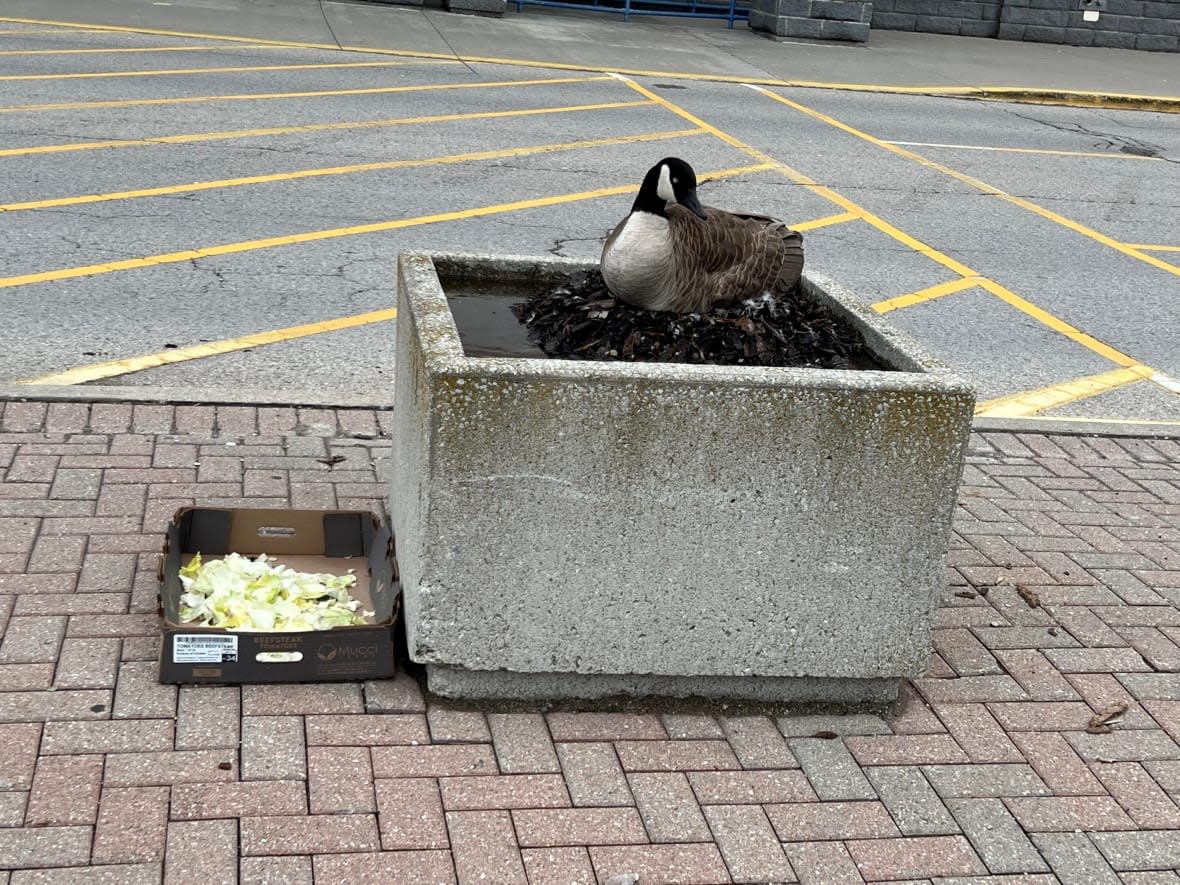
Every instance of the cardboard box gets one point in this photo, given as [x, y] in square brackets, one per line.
[307, 541]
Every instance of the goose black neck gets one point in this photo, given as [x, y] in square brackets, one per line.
[647, 200]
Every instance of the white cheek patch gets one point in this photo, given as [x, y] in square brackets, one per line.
[664, 189]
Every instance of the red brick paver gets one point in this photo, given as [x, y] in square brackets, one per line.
[1044, 741]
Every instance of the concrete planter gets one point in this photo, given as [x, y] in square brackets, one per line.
[578, 529]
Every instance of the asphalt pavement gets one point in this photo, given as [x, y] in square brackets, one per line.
[206, 200]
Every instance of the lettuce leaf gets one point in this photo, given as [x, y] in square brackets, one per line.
[239, 593]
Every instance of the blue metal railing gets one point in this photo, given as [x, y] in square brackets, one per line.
[729, 12]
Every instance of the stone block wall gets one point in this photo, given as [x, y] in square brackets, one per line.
[969, 18]
[815, 19]
[1126, 24]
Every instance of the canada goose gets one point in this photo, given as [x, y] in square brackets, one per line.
[671, 253]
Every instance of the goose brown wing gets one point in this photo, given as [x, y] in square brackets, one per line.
[730, 256]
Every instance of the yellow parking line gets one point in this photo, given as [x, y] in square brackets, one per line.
[976, 183]
[204, 48]
[928, 294]
[234, 70]
[1043, 316]
[826, 221]
[260, 96]
[89, 270]
[1105, 155]
[1154, 248]
[385, 165]
[58, 30]
[1030, 402]
[157, 32]
[312, 127]
[113, 368]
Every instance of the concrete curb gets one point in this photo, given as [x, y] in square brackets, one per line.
[189, 396]
[342, 400]
[1080, 427]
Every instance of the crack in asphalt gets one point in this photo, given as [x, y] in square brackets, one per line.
[1125, 144]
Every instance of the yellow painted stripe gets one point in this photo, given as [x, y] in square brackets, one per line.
[1057, 324]
[1124, 422]
[261, 96]
[1162, 103]
[799, 178]
[203, 48]
[312, 127]
[891, 304]
[980, 185]
[469, 157]
[159, 32]
[113, 368]
[58, 30]
[1030, 402]
[826, 221]
[1043, 316]
[69, 273]
[1104, 155]
[220, 70]
[1154, 248]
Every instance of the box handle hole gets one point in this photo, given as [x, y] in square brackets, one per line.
[276, 531]
[278, 657]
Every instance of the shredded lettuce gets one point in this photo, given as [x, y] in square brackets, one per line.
[238, 593]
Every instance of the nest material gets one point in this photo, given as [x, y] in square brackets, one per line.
[581, 320]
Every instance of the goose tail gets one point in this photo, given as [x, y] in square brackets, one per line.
[792, 266]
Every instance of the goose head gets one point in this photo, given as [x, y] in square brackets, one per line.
[669, 181]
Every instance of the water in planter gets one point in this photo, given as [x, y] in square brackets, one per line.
[487, 325]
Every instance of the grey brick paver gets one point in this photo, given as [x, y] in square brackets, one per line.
[748, 844]
[1074, 859]
[833, 773]
[558, 866]
[483, 841]
[757, 742]
[826, 862]
[208, 716]
[410, 814]
[593, 774]
[273, 748]
[44, 847]
[669, 807]
[937, 856]
[915, 806]
[996, 836]
[204, 851]
[523, 744]
[291, 870]
[1144, 850]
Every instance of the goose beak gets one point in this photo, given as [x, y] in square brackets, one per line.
[690, 201]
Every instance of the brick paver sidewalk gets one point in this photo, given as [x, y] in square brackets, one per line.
[1064, 606]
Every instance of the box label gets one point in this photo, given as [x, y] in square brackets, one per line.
[204, 648]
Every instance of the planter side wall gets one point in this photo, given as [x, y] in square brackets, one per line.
[671, 522]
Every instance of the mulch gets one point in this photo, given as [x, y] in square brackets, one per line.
[581, 320]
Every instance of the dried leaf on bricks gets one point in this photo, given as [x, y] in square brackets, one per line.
[1029, 596]
[1100, 722]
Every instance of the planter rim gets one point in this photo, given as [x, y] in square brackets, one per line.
[917, 369]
